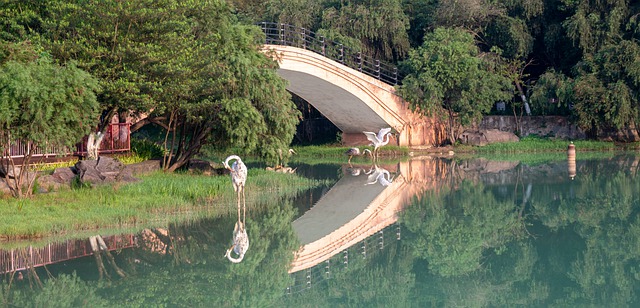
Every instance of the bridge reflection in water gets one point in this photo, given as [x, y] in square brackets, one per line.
[357, 207]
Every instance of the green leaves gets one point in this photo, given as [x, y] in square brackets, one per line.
[47, 104]
[447, 76]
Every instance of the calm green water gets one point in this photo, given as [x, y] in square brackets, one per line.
[475, 234]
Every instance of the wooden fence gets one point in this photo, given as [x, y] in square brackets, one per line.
[116, 140]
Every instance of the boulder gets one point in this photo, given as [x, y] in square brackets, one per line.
[144, 167]
[103, 170]
[482, 137]
[48, 183]
[4, 188]
[201, 166]
[63, 175]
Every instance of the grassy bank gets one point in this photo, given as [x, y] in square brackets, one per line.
[156, 200]
[533, 144]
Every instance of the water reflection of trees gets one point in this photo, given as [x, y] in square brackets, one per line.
[576, 243]
[188, 271]
[383, 278]
[569, 243]
[533, 238]
[454, 228]
[201, 277]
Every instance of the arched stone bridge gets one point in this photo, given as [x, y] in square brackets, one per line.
[354, 92]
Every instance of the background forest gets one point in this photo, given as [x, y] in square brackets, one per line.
[579, 58]
[195, 70]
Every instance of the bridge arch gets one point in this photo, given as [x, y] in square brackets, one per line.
[356, 97]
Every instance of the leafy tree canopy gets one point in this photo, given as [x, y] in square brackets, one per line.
[447, 76]
[188, 66]
[48, 106]
[380, 25]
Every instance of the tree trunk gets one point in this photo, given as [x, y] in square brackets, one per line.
[93, 145]
[123, 130]
[451, 127]
[523, 98]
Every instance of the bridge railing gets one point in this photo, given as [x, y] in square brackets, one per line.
[288, 35]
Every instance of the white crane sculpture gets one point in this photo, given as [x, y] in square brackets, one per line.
[379, 140]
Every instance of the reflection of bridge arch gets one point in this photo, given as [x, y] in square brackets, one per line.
[366, 249]
[354, 92]
[352, 211]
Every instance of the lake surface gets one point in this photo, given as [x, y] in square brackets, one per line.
[424, 232]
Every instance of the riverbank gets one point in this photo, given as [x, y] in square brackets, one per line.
[531, 144]
[161, 198]
[158, 199]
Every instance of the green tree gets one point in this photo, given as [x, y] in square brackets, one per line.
[606, 88]
[189, 67]
[469, 14]
[116, 42]
[552, 93]
[44, 106]
[380, 26]
[448, 77]
[298, 13]
[21, 18]
[607, 77]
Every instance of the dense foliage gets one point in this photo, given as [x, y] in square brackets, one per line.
[194, 67]
[568, 57]
[46, 106]
[188, 67]
[449, 77]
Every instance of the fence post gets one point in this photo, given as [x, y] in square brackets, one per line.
[378, 69]
[281, 34]
[395, 76]
[341, 54]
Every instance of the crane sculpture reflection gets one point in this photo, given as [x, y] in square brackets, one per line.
[238, 171]
[379, 140]
[380, 176]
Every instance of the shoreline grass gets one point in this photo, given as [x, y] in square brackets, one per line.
[159, 198]
[534, 144]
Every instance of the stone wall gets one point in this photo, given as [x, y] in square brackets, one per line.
[544, 126]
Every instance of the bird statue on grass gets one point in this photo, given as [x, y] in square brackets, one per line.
[238, 172]
[356, 152]
[379, 140]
